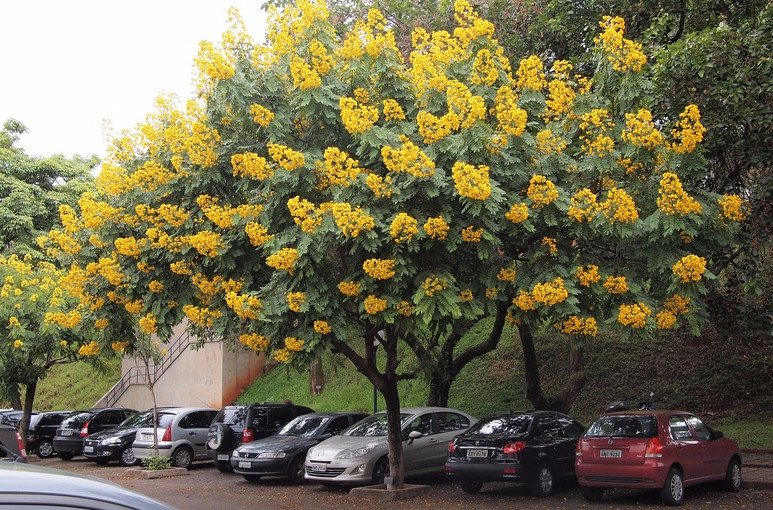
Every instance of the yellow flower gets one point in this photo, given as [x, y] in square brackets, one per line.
[295, 300]
[665, 319]
[624, 54]
[506, 274]
[261, 115]
[379, 269]
[393, 110]
[17, 344]
[351, 220]
[548, 143]
[619, 207]
[518, 213]
[524, 301]
[403, 228]
[616, 284]
[531, 74]
[374, 305]
[101, 323]
[433, 284]
[380, 186]
[587, 275]
[349, 289]
[472, 235]
[466, 296]
[511, 118]
[283, 260]
[594, 128]
[282, 355]
[254, 341]
[202, 317]
[471, 181]
[640, 130]
[690, 268]
[286, 157]
[155, 286]
[689, 130]
[634, 315]
[677, 304]
[148, 324]
[257, 234]
[90, 349]
[322, 327]
[551, 245]
[404, 308]
[339, 169]
[733, 207]
[13, 322]
[550, 293]
[583, 206]
[293, 344]
[304, 214]
[579, 326]
[304, 77]
[119, 346]
[357, 118]
[541, 191]
[673, 199]
[408, 159]
[250, 165]
[437, 228]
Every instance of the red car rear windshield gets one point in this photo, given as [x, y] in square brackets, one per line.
[623, 426]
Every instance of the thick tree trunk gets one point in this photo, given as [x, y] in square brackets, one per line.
[316, 376]
[13, 394]
[439, 387]
[29, 400]
[394, 434]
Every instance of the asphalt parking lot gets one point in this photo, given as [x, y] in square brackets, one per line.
[205, 488]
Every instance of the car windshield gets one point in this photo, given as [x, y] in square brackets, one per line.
[76, 420]
[231, 415]
[503, 425]
[375, 425]
[303, 426]
[623, 426]
[139, 420]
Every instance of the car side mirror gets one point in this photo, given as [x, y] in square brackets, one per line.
[716, 434]
[413, 435]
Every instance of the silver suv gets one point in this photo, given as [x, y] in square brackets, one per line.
[182, 435]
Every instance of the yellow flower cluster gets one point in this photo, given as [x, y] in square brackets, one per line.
[148, 324]
[166, 214]
[201, 145]
[133, 307]
[616, 284]
[484, 70]
[304, 214]
[677, 304]
[155, 286]
[404, 308]
[128, 246]
[254, 341]
[293, 344]
[322, 327]
[690, 268]
[94, 212]
[304, 77]
[634, 315]
[574, 325]
[101, 323]
[689, 130]
[109, 269]
[251, 165]
[550, 243]
[119, 346]
[13, 322]
[295, 300]
[244, 306]
[90, 349]
[550, 293]
[357, 118]
[541, 191]
[491, 292]
[518, 213]
[583, 206]
[673, 199]
[640, 130]
[69, 320]
[506, 274]
[471, 181]
[349, 289]
[619, 207]
[630, 166]
[433, 284]
[351, 221]
[321, 61]
[286, 157]
[206, 242]
[408, 159]
[393, 110]
[531, 74]
[733, 207]
[471, 26]
[18, 344]
[380, 186]
[524, 301]
[403, 228]
[180, 268]
[213, 63]
[282, 355]
[665, 319]
[374, 305]
[587, 275]
[436, 228]
[223, 216]
[548, 143]
[379, 269]
[338, 170]
[511, 118]
[594, 126]
[261, 115]
[464, 108]
[559, 101]
[433, 128]
[624, 54]
[466, 296]
[283, 260]
[471, 234]
[257, 233]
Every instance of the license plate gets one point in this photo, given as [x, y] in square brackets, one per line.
[317, 468]
[147, 436]
[611, 454]
[244, 464]
[67, 432]
[480, 454]
[88, 449]
[222, 456]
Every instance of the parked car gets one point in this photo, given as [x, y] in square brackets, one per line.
[42, 430]
[242, 423]
[661, 450]
[12, 417]
[181, 435]
[36, 487]
[359, 455]
[116, 443]
[533, 448]
[283, 453]
[68, 441]
[11, 445]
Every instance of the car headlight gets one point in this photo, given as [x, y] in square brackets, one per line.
[271, 455]
[355, 452]
[110, 441]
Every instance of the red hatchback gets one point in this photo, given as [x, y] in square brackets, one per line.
[662, 450]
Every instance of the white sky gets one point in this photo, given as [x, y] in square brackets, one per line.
[67, 66]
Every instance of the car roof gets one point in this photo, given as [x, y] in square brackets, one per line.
[179, 410]
[647, 412]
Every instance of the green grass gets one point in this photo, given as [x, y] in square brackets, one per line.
[75, 386]
[749, 433]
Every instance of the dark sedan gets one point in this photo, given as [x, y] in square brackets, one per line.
[283, 454]
[116, 443]
[533, 448]
[68, 441]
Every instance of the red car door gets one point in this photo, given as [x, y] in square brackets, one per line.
[688, 450]
[714, 457]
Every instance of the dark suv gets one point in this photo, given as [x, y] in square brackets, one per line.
[242, 423]
[11, 446]
[68, 441]
[40, 436]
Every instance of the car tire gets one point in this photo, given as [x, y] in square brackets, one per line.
[182, 457]
[102, 462]
[542, 486]
[126, 457]
[733, 475]
[380, 471]
[297, 472]
[65, 455]
[219, 437]
[672, 493]
[45, 449]
[252, 478]
[224, 466]
[592, 493]
[471, 487]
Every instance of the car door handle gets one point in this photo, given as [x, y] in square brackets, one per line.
[191, 433]
[433, 440]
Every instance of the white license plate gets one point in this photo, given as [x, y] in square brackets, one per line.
[480, 454]
[88, 449]
[611, 454]
[222, 456]
[68, 432]
[317, 468]
[147, 437]
[244, 464]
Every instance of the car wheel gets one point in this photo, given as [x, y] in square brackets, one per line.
[297, 472]
[542, 486]
[380, 470]
[45, 449]
[252, 478]
[733, 476]
[182, 457]
[65, 455]
[592, 493]
[127, 458]
[219, 437]
[102, 462]
[672, 493]
[223, 466]
[471, 487]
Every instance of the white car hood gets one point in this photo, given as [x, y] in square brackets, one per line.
[328, 449]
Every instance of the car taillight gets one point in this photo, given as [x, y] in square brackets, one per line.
[167, 434]
[654, 448]
[85, 429]
[451, 448]
[513, 449]
[578, 449]
[22, 452]
[248, 435]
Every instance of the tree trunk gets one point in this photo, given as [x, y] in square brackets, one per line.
[394, 434]
[29, 400]
[316, 376]
[13, 394]
[439, 387]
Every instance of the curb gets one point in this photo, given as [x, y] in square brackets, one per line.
[160, 473]
[758, 485]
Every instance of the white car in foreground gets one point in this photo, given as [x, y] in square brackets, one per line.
[359, 455]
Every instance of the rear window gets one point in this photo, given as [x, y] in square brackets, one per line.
[374, 426]
[231, 415]
[503, 425]
[76, 420]
[139, 420]
[623, 426]
[165, 419]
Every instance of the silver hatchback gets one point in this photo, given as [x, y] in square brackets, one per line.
[181, 433]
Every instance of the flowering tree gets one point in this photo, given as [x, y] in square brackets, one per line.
[326, 193]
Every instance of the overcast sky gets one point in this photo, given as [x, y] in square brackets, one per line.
[68, 66]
